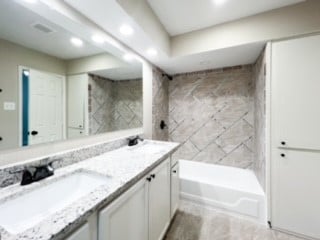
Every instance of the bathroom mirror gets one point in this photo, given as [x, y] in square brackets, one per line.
[55, 86]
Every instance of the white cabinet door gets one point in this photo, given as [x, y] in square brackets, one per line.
[87, 231]
[77, 101]
[83, 233]
[295, 93]
[295, 192]
[159, 201]
[175, 189]
[127, 217]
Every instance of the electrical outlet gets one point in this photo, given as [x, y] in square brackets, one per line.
[9, 106]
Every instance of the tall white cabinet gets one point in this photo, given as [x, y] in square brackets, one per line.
[295, 136]
[77, 105]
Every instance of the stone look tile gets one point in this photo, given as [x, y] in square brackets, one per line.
[114, 105]
[196, 222]
[205, 106]
[235, 136]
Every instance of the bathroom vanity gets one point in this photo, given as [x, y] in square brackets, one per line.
[128, 193]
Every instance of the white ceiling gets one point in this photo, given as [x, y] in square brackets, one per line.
[233, 56]
[181, 16]
[117, 74]
[16, 26]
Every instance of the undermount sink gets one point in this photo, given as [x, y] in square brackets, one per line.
[25, 211]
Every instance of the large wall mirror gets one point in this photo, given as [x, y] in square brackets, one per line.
[55, 86]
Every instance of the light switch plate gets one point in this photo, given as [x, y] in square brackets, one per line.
[9, 106]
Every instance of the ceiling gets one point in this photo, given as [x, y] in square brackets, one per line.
[117, 74]
[16, 25]
[182, 16]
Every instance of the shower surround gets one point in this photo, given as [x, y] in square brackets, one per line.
[211, 114]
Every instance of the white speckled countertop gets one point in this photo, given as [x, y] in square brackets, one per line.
[125, 166]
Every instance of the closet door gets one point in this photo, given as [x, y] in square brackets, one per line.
[296, 93]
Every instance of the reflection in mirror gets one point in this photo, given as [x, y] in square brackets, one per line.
[54, 86]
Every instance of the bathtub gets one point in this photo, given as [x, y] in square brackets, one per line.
[231, 189]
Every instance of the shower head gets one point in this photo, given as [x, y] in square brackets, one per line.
[168, 76]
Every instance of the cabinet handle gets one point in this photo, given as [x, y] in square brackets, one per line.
[153, 175]
[0, 138]
[283, 143]
[282, 155]
[149, 179]
[174, 171]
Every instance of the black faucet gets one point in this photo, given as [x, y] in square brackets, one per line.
[134, 141]
[34, 174]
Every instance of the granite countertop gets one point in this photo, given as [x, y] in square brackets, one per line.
[126, 166]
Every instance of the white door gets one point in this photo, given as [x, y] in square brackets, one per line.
[127, 217]
[295, 92]
[45, 107]
[159, 201]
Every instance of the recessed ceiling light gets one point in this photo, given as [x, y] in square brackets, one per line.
[31, 1]
[126, 30]
[76, 41]
[152, 52]
[128, 57]
[219, 2]
[98, 39]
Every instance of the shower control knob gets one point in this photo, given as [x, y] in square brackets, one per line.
[282, 155]
[283, 143]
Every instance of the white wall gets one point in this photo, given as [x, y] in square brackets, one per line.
[280, 23]
[11, 56]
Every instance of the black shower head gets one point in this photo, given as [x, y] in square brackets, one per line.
[168, 76]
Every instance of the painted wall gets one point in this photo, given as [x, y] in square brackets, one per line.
[259, 79]
[279, 23]
[211, 113]
[160, 105]
[11, 57]
[114, 105]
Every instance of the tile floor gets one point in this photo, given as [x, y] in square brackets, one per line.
[194, 222]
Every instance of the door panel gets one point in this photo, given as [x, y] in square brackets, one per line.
[159, 201]
[77, 97]
[83, 233]
[127, 217]
[295, 92]
[295, 192]
[175, 189]
[45, 107]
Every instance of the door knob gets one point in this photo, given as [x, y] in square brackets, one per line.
[33, 133]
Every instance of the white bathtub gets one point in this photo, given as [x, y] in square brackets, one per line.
[228, 188]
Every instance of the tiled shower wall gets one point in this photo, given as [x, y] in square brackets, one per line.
[259, 77]
[114, 105]
[211, 114]
[160, 105]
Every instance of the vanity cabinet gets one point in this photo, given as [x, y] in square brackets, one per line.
[87, 231]
[126, 218]
[142, 213]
